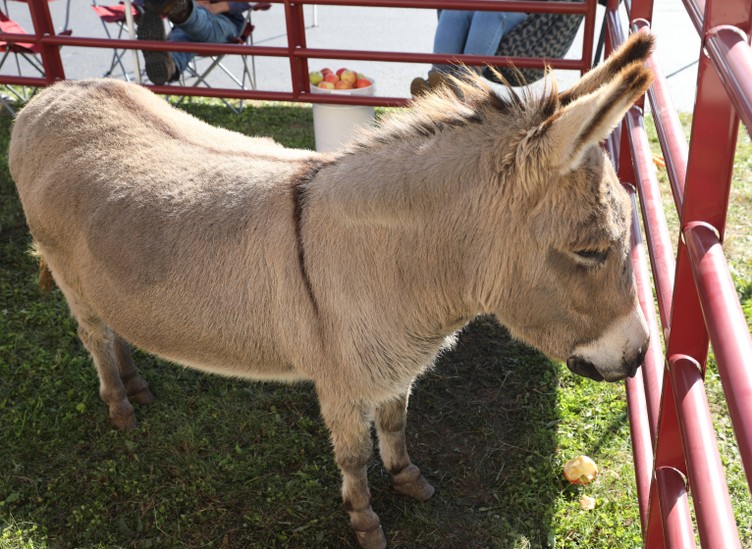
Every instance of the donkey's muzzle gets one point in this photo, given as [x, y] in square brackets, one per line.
[584, 368]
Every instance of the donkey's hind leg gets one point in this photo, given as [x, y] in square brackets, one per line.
[99, 340]
[390, 425]
[135, 386]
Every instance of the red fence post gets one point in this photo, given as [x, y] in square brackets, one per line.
[40, 16]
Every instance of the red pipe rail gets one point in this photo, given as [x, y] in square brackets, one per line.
[297, 52]
[673, 440]
[695, 295]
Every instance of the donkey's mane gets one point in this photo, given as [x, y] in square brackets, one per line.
[476, 103]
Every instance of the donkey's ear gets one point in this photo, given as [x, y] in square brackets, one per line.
[586, 121]
[636, 48]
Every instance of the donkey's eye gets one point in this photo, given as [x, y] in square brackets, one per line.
[594, 256]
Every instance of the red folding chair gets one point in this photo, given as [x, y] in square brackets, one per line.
[113, 17]
[25, 55]
[196, 75]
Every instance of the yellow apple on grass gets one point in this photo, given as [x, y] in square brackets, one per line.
[580, 470]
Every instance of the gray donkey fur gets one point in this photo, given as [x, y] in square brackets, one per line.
[237, 256]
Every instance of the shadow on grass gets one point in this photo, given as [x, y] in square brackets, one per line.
[223, 463]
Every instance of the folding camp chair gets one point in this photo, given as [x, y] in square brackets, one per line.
[113, 17]
[25, 55]
[546, 35]
[196, 75]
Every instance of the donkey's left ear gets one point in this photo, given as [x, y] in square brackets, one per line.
[567, 134]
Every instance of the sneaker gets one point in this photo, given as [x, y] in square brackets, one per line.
[166, 8]
[438, 79]
[160, 68]
[419, 86]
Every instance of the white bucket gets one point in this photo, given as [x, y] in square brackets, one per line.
[334, 125]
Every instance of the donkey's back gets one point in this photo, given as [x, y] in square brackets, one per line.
[144, 212]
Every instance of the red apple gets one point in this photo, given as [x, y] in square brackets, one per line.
[325, 71]
[326, 85]
[331, 77]
[348, 76]
[362, 83]
[340, 71]
[343, 85]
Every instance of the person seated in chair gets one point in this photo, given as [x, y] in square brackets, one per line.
[193, 21]
[469, 33]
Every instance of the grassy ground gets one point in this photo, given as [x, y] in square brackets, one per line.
[223, 463]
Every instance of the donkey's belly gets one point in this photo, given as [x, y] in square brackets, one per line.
[262, 371]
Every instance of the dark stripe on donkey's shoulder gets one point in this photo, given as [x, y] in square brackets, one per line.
[299, 193]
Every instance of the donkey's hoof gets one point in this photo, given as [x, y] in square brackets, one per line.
[143, 396]
[138, 390]
[410, 482]
[371, 539]
[123, 416]
[124, 422]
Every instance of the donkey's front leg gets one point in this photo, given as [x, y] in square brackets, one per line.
[136, 386]
[350, 425]
[390, 425]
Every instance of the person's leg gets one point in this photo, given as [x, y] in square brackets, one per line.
[160, 67]
[487, 29]
[451, 34]
[201, 26]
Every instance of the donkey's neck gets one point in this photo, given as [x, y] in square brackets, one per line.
[405, 219]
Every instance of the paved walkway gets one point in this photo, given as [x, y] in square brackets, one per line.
[389, 29]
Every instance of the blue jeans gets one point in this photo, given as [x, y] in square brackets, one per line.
[472, 32]
[203, 26]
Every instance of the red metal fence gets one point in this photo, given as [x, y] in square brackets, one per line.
[673, 439]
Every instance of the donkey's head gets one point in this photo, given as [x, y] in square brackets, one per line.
[574, 292]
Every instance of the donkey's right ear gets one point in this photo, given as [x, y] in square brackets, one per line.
[637, 47]
[562, 139]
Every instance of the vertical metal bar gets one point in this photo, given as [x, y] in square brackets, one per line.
[296, 39]
[589, 33]
[656, 232]
[715, 519]
[668, 127]
[642, 447]
[676, 520]
[715, 126]
[668, 455]
[42, 21]
[638, 390]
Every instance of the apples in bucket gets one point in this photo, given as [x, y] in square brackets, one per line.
[343, 79]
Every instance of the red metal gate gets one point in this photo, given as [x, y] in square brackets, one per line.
[673, 439]
[674, 443]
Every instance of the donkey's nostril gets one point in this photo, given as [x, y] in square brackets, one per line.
[639, 359]
[584, 368]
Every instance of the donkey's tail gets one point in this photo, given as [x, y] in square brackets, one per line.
[46, 282]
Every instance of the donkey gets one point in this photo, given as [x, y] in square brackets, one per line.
[238, 256]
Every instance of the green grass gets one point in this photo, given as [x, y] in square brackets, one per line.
[225, 463]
